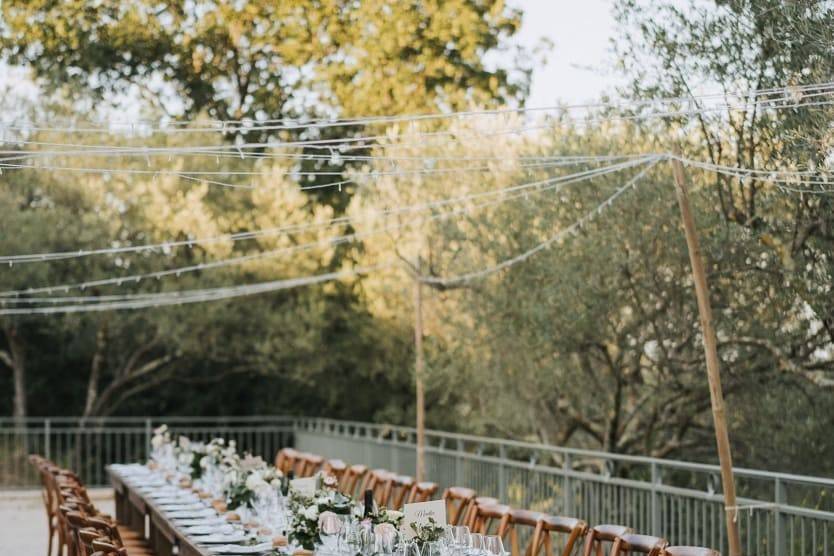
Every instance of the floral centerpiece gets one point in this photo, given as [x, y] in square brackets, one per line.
[428, 532]
[245, 477]
[315, 515]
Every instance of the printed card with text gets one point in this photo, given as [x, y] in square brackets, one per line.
[305, 487]
[420, 513]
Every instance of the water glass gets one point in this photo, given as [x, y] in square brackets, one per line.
[493, 545]
[476, 545]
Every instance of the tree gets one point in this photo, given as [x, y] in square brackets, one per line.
[264, 60]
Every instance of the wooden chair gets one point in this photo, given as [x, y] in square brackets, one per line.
[308, 464]
[353, 477]
[335, 468]
[422, 492]
[285, 460]
[600, 534]
[543, 525]
[399, 487]
[642, 544]
[469, 520]
[457, 500]
[689, 551]
[492, 520]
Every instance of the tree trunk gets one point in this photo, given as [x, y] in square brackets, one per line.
[95, 369]
[15, 358]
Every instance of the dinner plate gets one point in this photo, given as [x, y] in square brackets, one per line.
[220, 538]
[178, 507]
[192, 514]
[206, 521]
[241, 549]
[209, 529]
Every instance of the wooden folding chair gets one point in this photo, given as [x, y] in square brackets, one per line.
[642, 544]
[457, 503]
[543, 525]
[285, 460]
[492, 520]
[335, 468]
[398, 488]
[353, 477]
[600, 534]
[469, 520]
[422, 492]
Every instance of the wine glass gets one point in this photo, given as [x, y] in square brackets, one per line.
[493, 545]
[431, 548]
[476, 545]
[458, 537]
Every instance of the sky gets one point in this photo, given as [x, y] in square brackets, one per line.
[576, 69]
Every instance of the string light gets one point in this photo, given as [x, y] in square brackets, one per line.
[500, 193]
[230, 126]
[271, 232]
[138, 301]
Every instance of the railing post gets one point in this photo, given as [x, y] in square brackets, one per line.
[779, 498]
[459, 463]
[47, 443]
[502, 478]
[148, 435]
[567, 488]
[655, 507]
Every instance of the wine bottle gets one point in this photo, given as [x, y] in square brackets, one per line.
[370, 510]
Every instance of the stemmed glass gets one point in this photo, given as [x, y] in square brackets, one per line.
[457, 538]
[476, 545]
[494, 546]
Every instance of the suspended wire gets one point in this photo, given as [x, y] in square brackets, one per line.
[291, 124]
[271, 232]
[572, 229]
[791, 94]
[139, 301]
[523, 188]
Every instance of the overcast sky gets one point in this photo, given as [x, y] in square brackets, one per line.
[577, 66]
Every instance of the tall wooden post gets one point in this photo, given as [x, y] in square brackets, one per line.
[710, 349]
[418, 374]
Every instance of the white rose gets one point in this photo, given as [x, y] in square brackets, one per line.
[157, 441]
[311, 513]
[254, 481]
[393, 515]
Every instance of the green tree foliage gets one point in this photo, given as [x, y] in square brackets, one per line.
[264, 60]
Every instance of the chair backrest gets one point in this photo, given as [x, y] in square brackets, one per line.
[399, 487]
[354, 476]
[285, 460]
[457, 503]
[520, 519]
[689, 551]
[492, 520]
[422, 492]
[600, 534]
[469, 519]
[543, 525]
[379, 481]
[307, 464]
[335, 468]
[642, 544]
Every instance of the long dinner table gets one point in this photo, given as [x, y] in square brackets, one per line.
[139, 503]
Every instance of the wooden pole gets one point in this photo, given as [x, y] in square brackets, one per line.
[710, 349]
[418, 374]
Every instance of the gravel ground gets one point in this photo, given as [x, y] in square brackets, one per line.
[23, 520]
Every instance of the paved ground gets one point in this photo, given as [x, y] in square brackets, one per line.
[23, 520]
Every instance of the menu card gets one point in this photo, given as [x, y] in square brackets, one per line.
[305, 487]
[420, 513]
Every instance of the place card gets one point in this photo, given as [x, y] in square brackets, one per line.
[420, 513]
[305, 487]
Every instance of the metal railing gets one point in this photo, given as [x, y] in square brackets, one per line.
[780, 514]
